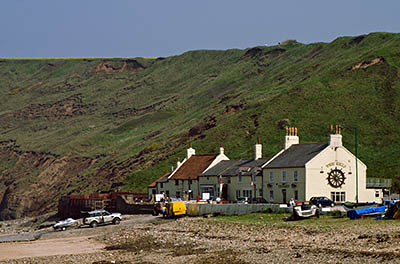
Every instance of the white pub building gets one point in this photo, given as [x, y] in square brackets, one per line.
[304, 170]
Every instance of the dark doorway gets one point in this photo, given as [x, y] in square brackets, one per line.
[225, 192]
[284, 196]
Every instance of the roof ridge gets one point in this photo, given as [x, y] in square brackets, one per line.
[297, 155]
[309, 143]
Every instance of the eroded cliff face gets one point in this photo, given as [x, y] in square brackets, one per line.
[33, 182]
[41, 102]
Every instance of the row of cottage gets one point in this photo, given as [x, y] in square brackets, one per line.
[299, 171]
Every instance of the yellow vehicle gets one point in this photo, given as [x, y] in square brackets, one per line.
[175, 208]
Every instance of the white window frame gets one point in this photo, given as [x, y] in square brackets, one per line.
[284, 176]
[271, 177]
[338, 197]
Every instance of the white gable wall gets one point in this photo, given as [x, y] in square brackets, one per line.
[331, 158]
[217, 159]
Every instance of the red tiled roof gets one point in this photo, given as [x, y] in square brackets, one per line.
[193, 167]
[153, 184]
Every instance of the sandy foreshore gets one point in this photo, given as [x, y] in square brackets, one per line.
[198, 240]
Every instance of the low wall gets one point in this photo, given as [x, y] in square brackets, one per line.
[231, 209]
[124, 206]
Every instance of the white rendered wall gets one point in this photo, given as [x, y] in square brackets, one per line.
[337, 158]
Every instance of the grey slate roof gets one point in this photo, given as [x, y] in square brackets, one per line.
[219, 168]
[235, 167]
[297, 155]
[244, 167]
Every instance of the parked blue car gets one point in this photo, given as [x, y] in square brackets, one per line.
[322, 201]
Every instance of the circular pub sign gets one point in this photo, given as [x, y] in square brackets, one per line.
[336, 177]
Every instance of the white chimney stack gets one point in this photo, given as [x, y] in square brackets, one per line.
[221, 149]
[178, 163]
[258, 150]
[190, 151]
[291, 137]
[335, 140]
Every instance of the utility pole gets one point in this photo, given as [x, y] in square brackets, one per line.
[254, 176]
[356, 155]
[355, 150]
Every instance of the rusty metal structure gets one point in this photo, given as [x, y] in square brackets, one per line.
[123, 202]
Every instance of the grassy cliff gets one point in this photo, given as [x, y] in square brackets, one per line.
[79, 125]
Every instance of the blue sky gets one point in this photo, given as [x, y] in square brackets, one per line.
[128, 28]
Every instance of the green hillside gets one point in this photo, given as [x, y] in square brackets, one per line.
[82, 125]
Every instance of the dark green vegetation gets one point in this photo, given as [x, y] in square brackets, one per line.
[83, 125]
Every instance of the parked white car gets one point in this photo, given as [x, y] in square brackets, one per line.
[99, 217]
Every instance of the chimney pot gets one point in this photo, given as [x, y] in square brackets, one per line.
[335, 139]
[291, 137]
[221, 149]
